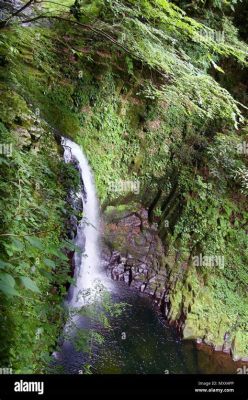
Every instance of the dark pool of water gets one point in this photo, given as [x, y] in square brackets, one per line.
[140, 342]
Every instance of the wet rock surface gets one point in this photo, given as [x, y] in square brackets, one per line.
[7, 7]
[133, 253]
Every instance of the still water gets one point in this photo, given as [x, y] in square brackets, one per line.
[141, 342]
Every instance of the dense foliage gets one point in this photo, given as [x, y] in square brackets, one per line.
[148, 89]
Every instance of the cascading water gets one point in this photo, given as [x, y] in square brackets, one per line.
[149, 347]
[87, 266]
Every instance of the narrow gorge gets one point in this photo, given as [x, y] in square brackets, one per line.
[123, 207]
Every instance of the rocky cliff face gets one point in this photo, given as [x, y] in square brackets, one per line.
[147, 108]
[134, 253]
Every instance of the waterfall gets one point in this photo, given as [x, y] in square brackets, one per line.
[87, 265]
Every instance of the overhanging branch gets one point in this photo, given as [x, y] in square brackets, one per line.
[98, 32]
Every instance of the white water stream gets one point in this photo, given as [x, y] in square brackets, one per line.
[87, 273]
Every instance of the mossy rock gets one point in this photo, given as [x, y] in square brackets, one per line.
[239, 346]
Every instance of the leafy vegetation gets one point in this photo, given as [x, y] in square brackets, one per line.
[150, 94]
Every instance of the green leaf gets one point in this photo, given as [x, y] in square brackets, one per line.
[17, 245]
[47, 274]
[7, 283]
[8, 290]
[49, 263]
[35, 242]
[29, 284]
[71, 246]
[7, 279]
[4, 161]
[57, 252]
[4, 264]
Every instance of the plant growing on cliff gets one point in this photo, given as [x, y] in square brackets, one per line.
[135, 83]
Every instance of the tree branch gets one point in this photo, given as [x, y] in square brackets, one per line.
[28, 4]
[17, 12]
[98, 32]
